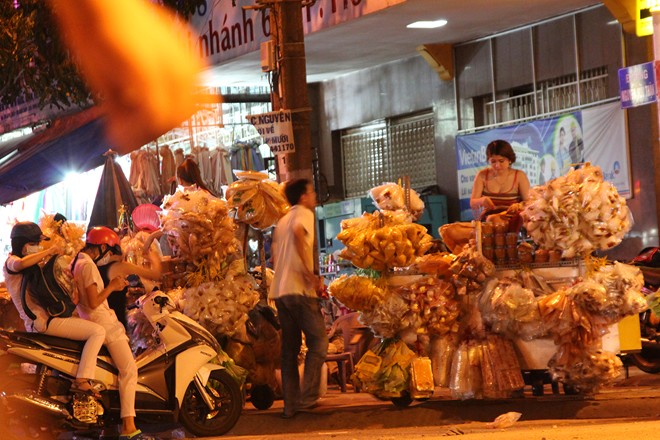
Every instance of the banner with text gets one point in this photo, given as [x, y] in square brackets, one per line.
[546, 148]
[225, 30]
[276, 130]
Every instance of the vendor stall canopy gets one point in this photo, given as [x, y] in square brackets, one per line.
[73, 143]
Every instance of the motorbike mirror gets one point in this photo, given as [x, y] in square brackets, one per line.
[161, 300]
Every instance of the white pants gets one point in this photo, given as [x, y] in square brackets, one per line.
[122, 356]
[80, 330]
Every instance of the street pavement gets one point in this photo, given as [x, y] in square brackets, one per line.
[636, 397]
[352, 415]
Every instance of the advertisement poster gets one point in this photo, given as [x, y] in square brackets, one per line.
[547, 148]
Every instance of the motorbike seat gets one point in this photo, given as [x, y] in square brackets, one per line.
[56, 342]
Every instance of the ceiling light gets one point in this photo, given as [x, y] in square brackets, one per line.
[427, 24]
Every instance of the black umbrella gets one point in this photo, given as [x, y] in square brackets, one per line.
[113, 193]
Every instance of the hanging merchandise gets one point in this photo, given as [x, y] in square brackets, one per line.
[245, 155]
[179, 156]
[576, 213]
[202, 156]
[200, 233]
[144, 177]
[221, 169]
[257, 200]
[62, 234]
[167, 169]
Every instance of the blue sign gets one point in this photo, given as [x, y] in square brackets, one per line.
[637, 85]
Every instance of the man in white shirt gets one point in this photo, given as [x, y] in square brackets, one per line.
[294, 289]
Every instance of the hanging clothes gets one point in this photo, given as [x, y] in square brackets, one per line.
[145, 182]
[178, 157]
[167, 169]
[221, 169]
[245, 156]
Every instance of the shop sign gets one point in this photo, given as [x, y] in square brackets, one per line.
[223, 30]
[637, 84]
[276, 130]
[644, 17]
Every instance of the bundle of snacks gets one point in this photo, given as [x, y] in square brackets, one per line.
[434, 264]
[466, 380]
[133, 250]
[576, 213]
[470, 270]
[357, 292]
[385, 372]
[200, 233]
[392, 317]
[442, 352]
[379, 241]
[222, 306]
[500, 369]
[618, 292]
[510, 309]
[433, 302]
[585, 369]
[258, 200]
[391, 197]
[63, 234]
[568, 322]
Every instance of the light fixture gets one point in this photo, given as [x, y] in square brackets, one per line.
[427, 24]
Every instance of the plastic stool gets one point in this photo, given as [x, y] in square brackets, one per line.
[344, 366]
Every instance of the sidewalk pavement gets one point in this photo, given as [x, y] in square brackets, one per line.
[636, 397]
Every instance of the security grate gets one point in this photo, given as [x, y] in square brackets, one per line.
[385, 151]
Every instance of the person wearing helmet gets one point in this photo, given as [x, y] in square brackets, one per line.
[101, 244]
[26, 252]
[110, 265]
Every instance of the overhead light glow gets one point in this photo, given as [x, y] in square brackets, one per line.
[427, 24]
[71, 177]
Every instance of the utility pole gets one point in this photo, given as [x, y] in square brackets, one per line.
[290, 84]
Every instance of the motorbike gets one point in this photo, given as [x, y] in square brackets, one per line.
[177, 380]
[648, 359]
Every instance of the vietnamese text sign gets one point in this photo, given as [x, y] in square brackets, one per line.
[637, 85]
[276, 130]
[223, 30]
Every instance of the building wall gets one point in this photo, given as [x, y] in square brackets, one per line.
[394, 89]
[411, 85]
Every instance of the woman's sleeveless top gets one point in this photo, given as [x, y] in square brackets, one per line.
[506, 198]
[117, 299]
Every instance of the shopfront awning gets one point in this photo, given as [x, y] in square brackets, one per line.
[73, 143]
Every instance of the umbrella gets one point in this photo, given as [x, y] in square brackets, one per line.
[114, 191]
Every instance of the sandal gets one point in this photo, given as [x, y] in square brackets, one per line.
[86, 386]
[137, 435]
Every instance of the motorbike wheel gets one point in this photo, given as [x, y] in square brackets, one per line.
[195, 415]
[646, 364]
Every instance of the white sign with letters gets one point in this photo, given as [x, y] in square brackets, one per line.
[276, 130]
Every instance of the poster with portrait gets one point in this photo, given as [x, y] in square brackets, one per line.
[547, 148]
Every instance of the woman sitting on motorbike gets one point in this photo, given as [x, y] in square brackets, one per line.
[93, 306]
[111, 265]
[25, 253]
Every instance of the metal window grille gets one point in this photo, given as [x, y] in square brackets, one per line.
[386, 150]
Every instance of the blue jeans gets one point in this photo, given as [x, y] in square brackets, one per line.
[301, 314]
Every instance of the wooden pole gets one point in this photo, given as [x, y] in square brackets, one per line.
[290, 90]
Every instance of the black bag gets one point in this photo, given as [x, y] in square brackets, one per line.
[50, 287]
